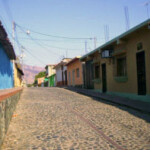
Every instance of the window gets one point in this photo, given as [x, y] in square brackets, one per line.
[121, 67]
[77, 72]
[97, 71]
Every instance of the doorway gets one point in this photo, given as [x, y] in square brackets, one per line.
[141, 73]
[104, 79]
[73, 78]
[89, 74]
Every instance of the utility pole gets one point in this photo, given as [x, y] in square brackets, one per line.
[22, 55]
[106, 33]
[126, 11]
[86, 47]
[95, 41]
[13, 36]
[147, 8]
[13, 33]
[22, 63]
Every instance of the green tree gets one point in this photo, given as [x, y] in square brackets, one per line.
[39, 75]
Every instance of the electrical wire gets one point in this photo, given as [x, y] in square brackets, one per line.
[51, 46]
[39, 44]
[55, 36]
[20, 45]
[34, 56]
[8, 11]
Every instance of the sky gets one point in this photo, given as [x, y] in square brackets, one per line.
[47, 22]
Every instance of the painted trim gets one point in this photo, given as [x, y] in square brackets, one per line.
[119, 52]
[97, 90]
[97, 81]
[145, 98]
[134, 29]
[121, 79]
[95, 61]
[131, 96]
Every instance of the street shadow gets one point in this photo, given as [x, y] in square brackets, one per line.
[136, 112]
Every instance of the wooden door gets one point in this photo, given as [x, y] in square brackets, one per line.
[69, 79]
[104, 78]
[141, 73]
[73, 77]
[89, 71]
[65, 77]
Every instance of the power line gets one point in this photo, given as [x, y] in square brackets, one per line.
[35, 41]
[51, 46]
[40, 39]
[8, 31]
[26, 49]
[55, 36]
[8, 11]
[29, 51]
[20, 45]
[34, 56]
[147, 8]
[38, 42]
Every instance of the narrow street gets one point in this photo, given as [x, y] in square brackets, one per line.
[56, 118]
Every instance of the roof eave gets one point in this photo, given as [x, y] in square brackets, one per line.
[115, 39]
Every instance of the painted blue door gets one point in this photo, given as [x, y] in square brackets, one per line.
[6, 70]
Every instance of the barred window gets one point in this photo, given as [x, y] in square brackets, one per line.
[121, 67]
[77, 72]
[97, 71]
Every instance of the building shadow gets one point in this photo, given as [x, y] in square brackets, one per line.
[136, 112]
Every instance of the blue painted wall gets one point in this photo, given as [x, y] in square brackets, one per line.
[6, 70]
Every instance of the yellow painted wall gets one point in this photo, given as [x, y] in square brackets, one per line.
[51, 70]
[131, 49]
[17, 78]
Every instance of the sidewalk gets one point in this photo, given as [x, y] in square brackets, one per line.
[135, 104]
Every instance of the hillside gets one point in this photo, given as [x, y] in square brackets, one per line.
[30, 72]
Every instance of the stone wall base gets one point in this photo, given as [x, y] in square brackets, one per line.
[7, 107]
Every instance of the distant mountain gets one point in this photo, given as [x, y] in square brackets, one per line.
[30, 72]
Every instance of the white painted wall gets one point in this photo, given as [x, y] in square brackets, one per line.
[58, 74]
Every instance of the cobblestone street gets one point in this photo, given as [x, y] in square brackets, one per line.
[56, 118]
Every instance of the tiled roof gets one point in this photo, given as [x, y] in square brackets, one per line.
[73, 60]
[6, 44]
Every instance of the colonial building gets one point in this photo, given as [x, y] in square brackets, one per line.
[18, 75]
[50, 79]
[40, 81]
[121, 66]
[7, 55]
[61, 72]
[74, 72]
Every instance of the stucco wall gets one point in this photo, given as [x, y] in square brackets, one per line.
[6, 70]
[129, 87]
[59, 74]
[17, 78]
[70, 68]
[131, 47]
[51, 71]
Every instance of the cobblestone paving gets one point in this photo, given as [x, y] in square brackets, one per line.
[54, 118]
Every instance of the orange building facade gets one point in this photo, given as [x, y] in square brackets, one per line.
[41, 81]
[74, 70]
